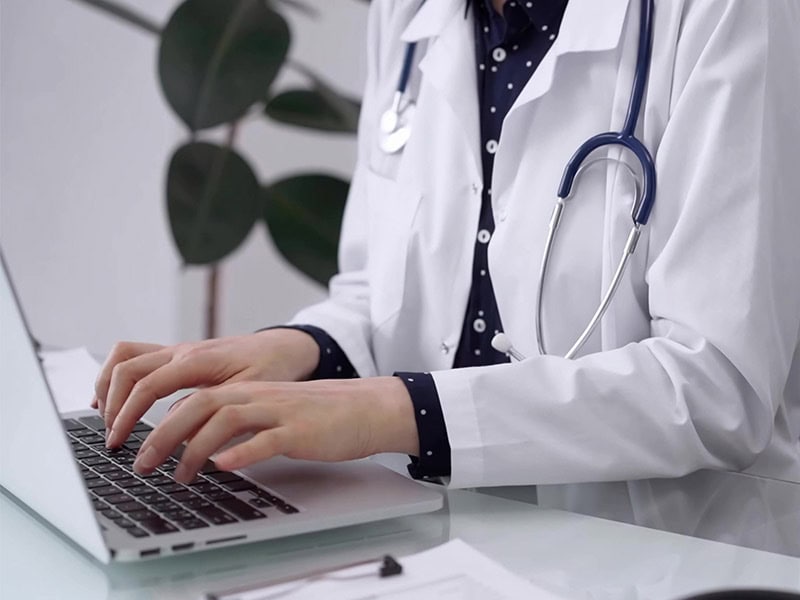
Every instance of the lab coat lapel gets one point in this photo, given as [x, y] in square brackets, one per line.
[449, 64]
[587, 26]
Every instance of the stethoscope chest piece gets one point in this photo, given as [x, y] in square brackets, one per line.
[396, 127]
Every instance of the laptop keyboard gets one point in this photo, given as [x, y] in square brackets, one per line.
[155, 504]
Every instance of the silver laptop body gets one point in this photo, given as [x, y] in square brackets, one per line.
[38, 468]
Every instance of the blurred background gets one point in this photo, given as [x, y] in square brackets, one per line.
[86, 136]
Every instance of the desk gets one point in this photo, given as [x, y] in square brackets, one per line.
[574, 555]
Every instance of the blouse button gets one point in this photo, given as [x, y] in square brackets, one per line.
[499, 54]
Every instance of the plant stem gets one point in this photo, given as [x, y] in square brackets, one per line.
[212, 297]
[126, 14]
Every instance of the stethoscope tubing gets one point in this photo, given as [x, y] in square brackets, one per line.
[640, 213]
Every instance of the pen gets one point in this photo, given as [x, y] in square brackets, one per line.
[389, 567]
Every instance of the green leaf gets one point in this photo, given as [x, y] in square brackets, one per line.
[219, 57]
[304, 216]
[321, 108]
[212, 199]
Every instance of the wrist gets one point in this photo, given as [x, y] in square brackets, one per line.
[390, 415]
[292, 354]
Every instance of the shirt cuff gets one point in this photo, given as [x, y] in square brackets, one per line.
[333, 362]
[434, 446]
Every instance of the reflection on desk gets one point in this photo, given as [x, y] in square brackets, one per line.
[573, 556]
[734, 508]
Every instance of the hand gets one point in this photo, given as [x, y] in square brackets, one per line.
[319, 420]
[136, 375]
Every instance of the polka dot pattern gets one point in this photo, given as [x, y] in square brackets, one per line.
[509, 48]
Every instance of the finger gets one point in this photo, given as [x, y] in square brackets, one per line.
[227, 423]
[178, 426]
[94, 402]
[125, 376]
[188, 370]
[121, 351]
[263, 445]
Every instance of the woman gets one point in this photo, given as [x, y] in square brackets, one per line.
[695, 365]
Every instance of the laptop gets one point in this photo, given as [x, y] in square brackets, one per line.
[57, 465]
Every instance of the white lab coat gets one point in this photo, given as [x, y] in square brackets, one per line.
[697, 363]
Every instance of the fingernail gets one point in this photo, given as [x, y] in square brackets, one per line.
[146, 460]
[182, 474]
[112, 438]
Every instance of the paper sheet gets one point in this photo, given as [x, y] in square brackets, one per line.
[71, 375]
[452, 571]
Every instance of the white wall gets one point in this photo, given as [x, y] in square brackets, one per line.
[84, 141]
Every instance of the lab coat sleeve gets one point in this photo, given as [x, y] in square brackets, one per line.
[345, 314]
[723, 272]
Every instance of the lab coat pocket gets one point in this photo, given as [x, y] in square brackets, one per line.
[392, 207]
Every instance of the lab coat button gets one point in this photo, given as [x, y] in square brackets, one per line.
[484, 236]
[479, 325]
[499, 54]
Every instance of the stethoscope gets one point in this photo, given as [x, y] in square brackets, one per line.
[395, 132]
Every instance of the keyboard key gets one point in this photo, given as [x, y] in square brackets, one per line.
[122, 459]
[177, 515]
[183, 496]
[142, 515]
[142, 428]
[224, 477]
[84, 453]
[107, 468]
[82, 432]
[208, 467]
[158, 526]
[128, 482]
[132, 445]
[140, 490]
[99, 504]
[172, 488]
[137, 533]
[95, 423]
[196, 504]
[129, 507]
[165, 506]
[260, 503]
[96, 483]
[206, 488]
[286, 508]
[197, 481]
[161, 480]
[152, 498]
[94, 461]
[241, 509]
[125, 524]
[116, 474]
[192, 523]
[109, 513]
[71, 424]
[118, 499]
[219, 495]
[93, 439]
[107, 490]
[214, 515]
[239, 486]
